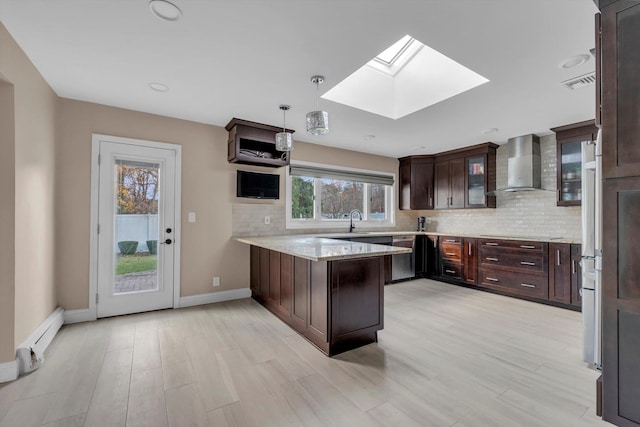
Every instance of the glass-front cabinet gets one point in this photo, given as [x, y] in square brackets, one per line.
[569, 160]
[476, 181]
[570, 169]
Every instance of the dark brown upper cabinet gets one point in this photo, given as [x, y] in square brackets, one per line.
[416, 182]
[620, 89]
[464, 177]
[569, 160]
[253, 143]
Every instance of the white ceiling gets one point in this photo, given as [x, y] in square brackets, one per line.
[242, 58]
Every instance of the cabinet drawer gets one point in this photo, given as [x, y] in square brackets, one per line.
[451, 252]
[450, 240]
[525, 261]
[451, 270]
[514, 244]
[517, 283]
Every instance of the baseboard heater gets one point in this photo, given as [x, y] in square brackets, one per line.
[30, 354]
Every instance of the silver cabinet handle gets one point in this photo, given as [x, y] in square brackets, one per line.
[430, 201]
[469, 249]
[526, 285]
[491, 244]
[450, 253]
[450, 271]
[527, 263]
[573, 266]
[557, 256]
[491, 259]
[491, 279]
[451, 240]
[527, 247]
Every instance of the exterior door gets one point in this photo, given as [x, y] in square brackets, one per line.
[136, 227]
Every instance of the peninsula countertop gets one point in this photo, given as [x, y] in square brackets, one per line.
[321, 248]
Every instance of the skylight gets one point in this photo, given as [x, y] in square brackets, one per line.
[406, 77]
[391, 54]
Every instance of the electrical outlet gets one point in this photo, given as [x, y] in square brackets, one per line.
[216, 281]
[192, 217]
[267, 219]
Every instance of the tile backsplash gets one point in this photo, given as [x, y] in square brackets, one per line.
[532, 213]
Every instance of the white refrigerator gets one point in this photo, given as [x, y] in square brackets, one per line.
[591, 263]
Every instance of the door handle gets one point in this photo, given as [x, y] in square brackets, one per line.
[167, 242]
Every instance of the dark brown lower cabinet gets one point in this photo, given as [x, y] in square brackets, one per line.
[560, 272]
[621, 301]
[470, 261]
[336, 305]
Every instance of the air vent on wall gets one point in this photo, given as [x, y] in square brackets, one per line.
[580, 81]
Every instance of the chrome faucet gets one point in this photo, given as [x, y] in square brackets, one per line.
[351, 226]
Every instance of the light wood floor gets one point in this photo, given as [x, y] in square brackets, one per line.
[448, 356]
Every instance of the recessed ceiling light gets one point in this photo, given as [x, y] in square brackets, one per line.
[368, 137]
[159, 87]
[165, 10]
[574, 61]
[490, 130]
[422, 147]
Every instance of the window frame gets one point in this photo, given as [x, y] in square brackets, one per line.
[317, 222]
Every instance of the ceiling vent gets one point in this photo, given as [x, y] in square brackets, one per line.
[580, 81]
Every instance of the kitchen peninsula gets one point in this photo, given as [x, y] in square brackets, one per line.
[329, 291]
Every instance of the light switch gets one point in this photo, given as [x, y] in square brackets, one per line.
[192, 217]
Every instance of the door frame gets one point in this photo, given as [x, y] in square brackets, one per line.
[93, 239]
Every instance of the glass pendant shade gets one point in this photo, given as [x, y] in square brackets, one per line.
[318, 122]
[284, 141]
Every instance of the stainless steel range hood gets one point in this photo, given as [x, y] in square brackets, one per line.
[523, 168]
[524, 164]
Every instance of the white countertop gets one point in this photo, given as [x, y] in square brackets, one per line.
[320, 248]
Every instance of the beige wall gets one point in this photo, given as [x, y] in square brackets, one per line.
[7, 223]
[208, 188]
[34, 147]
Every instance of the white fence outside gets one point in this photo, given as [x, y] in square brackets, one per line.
[136, 227]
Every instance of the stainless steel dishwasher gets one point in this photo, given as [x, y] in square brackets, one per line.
[403, 266]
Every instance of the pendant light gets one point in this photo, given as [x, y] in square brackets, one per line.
[317, 121]
[284, 139]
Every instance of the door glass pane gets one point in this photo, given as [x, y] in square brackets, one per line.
[137, 195]
[571, 171]
[476, 190]
[339, 197]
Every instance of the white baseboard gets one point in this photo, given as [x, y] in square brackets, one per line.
[8, 371]
[38, 341]
[77, 316]
[215, 297]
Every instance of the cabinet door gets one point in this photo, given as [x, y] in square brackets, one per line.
[441, 185]
[476, 185]
[254, 278]
[620, 89]
[273, 296]
[457, 179]
[264, 274]
[422, 185]
[299, 302]
[576, 275]
[432, 256]
[405, 186]
[621, 301]
[285, 295]
[560, 272]
[569, 170]
[470, 261]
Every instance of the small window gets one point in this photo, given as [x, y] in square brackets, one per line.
[320, 196]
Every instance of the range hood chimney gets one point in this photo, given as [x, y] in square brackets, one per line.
[524, 164]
